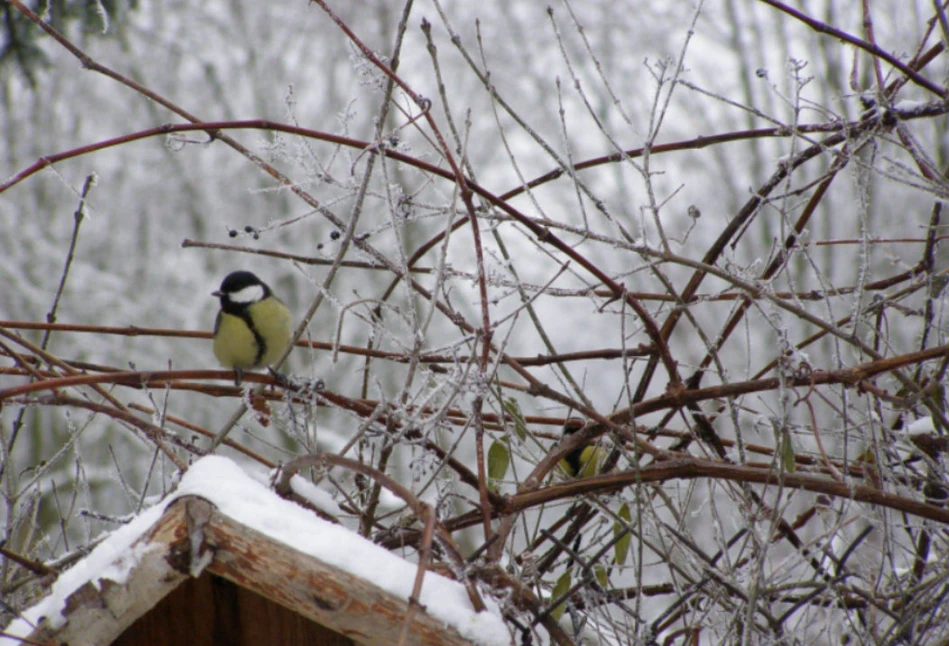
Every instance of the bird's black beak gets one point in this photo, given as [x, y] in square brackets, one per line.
[217, 293]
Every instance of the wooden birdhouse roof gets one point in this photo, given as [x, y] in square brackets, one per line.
[225, 560]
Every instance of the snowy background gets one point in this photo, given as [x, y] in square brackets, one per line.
[519, 91]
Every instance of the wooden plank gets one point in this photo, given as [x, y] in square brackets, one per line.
[328, 595]
[99, 616]
[211, 611]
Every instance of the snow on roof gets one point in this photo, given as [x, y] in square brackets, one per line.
[238, 495]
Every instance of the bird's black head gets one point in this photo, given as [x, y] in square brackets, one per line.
[240, 289]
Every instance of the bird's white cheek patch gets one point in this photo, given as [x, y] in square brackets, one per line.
[250, 294]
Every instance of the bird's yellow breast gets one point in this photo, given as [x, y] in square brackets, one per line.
[236, 346]
[587, 464]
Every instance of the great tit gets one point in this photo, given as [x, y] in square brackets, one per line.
[253, 326]
[584, 461]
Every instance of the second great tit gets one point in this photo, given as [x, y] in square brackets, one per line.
[253, 326]
[584, 461]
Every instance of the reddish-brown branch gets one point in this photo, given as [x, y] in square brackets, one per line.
[177, 378]
[870, 48]
[691, 468]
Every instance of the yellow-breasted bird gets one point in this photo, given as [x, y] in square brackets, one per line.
[583, 461]
[253, 326]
